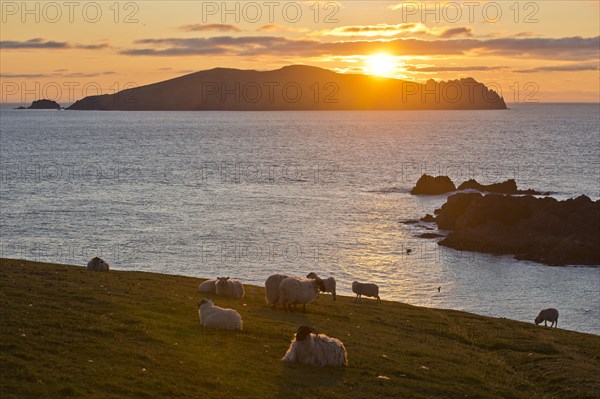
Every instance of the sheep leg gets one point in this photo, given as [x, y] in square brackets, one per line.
[333, 293]
[545, 324]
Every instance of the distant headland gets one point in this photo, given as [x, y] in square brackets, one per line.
[296, 87]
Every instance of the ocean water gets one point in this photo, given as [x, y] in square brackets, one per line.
[248, 194]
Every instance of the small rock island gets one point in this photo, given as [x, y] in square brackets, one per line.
[42, 104]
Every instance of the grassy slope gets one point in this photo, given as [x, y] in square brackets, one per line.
[67, 332]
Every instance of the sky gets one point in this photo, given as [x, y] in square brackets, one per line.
[529, 51]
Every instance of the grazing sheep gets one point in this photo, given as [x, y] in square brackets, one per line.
[215, 316]
[272, 288]
[366, 289]
[309, 347]
[550, 315]
[208, 286]
[231, 288]
[97, 265]
[295, 291]
[329, 283]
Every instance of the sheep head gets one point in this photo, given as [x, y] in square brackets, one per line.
[204, 301]
[312, 275]
[304, 331]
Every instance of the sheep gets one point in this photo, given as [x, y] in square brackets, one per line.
[328, 282]
[230, 288]
[550, 315]
[366, 289]
[97, 265]
[312, 348]
[293, 291]
[272, 288]
[215, 316]
[208, 286]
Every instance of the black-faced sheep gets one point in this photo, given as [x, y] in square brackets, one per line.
[295, 291]
[366, 289]
[550, 315]
[229, 288]
[309, 347]
[97, 265]
[208, 286]
[272, 288]
[329, 283]
[215, 316]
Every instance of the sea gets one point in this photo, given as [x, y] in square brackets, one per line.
[249, 194]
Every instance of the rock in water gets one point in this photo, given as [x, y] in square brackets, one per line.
[429, 185]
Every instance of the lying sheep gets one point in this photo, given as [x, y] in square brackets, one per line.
[550, 315]
[230, 288]
[366, 289]
[329, 283]
[97, 265]
[309, 347]
[215, 316]
[295, 291]
[272, 288]
[208, 286]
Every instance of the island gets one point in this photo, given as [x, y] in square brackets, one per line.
[42, 104]
[295, 87]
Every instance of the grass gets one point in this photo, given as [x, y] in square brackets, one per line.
[67, 332]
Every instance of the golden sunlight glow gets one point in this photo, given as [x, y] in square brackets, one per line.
[381, 64]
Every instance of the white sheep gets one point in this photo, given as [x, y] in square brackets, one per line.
[208, 286]
[230, 288]
[550, 315]
[329, 283]
[215, 316]
[272, 288]
[366, 289]
[97, 265]
[309, 347]
[295, 291]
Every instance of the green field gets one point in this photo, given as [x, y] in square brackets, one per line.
[67, 332]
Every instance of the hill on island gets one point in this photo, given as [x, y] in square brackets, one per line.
[295, 87]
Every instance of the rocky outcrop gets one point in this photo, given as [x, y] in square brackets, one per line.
[537, 229]
[429, 185]
[506, 187]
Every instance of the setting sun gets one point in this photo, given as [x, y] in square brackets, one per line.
[381, 65]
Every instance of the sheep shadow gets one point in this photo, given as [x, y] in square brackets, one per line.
[299, 380]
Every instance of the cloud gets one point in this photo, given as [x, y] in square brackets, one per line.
[561, 68]
[37, 42]
[417, 68]
[380, 30]
[448, 33]
[569, 48]
[55, 74]
[40, 43]
[210, 28]
[280, 28]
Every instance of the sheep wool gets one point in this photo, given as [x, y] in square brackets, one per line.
[309, 347]
[329, 283]
[272, 288]
[546, 315]
[208, 286]
[229, 288]
[366, 289]
[295, 291]
[215, 316]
